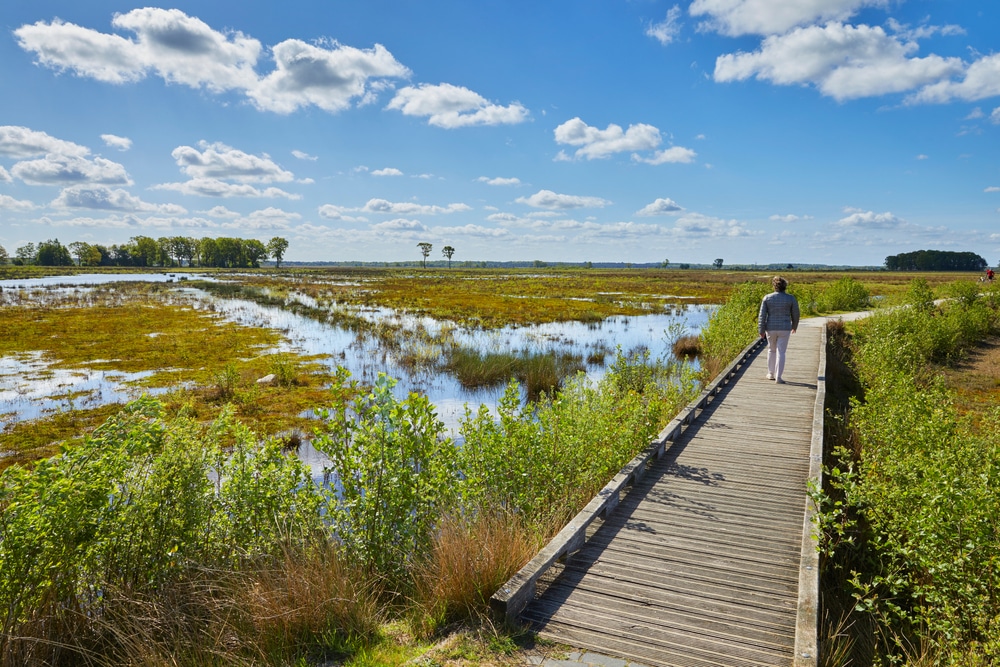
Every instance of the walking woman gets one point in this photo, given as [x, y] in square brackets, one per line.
[778, 319]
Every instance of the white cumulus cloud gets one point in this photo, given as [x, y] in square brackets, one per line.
[980, 80]
[107, 199]
[842, 61]
[449, 106]
[388, 171]
[661, 206]
[550, 200]
[219, 161]
[177, 47]
[184, 49]
[114, 141]
[860, 219]
[330, 78]
[302, 155]
[55, 169]
[770, 17]
[22, 142]
[8, 203]
[596, 143]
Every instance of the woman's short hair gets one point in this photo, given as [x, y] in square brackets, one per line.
[779, 283]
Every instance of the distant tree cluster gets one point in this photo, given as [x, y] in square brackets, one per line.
[935, 260]
[143, 251]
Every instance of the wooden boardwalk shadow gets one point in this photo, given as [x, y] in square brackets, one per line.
[700, 563]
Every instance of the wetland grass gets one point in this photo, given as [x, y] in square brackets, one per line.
[197, 361]
[538, 372]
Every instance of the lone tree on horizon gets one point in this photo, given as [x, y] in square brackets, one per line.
[276, 248]
[425, 249]
[448, 251]
[717, 263]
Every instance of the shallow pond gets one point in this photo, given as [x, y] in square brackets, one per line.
[29, 390]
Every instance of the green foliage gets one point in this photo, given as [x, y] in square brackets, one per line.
[543, 461]
[133, 508]
[964, 292]
[918, 499]
[734, 325]
[396, 473]
[845, 295]
[909, 338]
[919, 295]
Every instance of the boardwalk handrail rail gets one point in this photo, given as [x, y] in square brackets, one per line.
[512, 597]
[807, 611]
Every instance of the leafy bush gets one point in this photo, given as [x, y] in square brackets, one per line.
[919, 295]
[845, 295]
[132, 513]
[542, 462]
[396, 474]
[734, 325]
[922, 490]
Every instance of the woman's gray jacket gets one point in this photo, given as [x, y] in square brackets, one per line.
[779, 311]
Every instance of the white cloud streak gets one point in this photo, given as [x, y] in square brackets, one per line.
[22, 142]
[771, 17]
[842, 61]
[108, 199]
[499, 181]
[550, 200]
[449, 106]
[667, 30]
[8, 203]
[409, 208]
[114, 141]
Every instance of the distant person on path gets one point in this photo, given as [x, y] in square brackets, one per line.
[989, 275]
[778, 319]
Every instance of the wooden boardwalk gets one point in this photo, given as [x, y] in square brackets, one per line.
[700, 563]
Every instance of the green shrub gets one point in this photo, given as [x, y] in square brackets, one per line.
[734, 325]
[919, 295]
[133, 512]
[543, 461]
[920, 495]
[396, 474]
[845, 295]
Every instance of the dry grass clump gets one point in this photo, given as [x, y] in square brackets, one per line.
[687, 347]
[305, 605]
[469, 560]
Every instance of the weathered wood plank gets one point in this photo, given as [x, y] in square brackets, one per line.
[701, 562]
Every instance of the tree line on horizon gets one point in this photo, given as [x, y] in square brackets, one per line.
[145, 251]
[936, 260]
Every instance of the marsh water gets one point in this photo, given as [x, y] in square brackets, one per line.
[30, 389]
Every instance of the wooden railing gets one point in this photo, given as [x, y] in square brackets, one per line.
[514, 596]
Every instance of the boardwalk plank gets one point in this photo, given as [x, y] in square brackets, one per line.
[699, 563]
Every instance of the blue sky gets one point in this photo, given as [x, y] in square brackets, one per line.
[757, 131]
